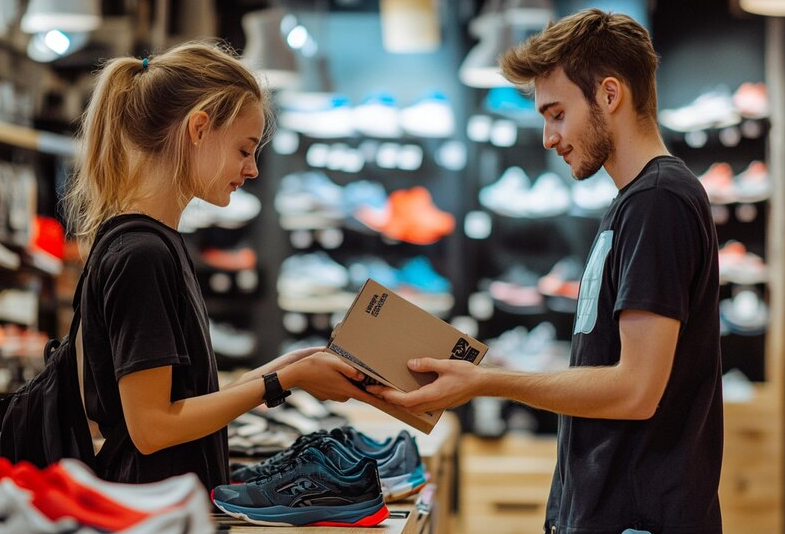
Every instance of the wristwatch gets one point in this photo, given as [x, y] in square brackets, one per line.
[274, 394]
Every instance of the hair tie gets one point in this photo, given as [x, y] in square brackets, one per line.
[145, 62]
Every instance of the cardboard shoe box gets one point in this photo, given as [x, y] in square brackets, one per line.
[382, 331]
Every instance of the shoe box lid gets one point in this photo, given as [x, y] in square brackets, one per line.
[382, 331]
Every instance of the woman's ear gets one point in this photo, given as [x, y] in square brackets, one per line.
[198, 124]
[610, 93]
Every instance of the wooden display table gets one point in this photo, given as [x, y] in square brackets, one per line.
[403, 520]
[438, 451]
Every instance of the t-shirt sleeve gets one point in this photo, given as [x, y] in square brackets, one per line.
[141, 285]
[657, 250]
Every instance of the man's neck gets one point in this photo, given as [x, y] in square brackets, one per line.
[633, 151]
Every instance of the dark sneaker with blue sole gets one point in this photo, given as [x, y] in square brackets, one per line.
[401, 469]
[346, 435]
[308, 491]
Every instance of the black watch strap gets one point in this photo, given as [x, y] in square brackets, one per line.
[274, 394]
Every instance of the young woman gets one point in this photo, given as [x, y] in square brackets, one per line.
[158, 132]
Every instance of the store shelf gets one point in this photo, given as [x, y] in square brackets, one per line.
[40, 141]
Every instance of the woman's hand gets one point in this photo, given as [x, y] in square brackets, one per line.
[326, 377]
[276, 365]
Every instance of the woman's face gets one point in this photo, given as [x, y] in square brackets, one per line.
[226, 157]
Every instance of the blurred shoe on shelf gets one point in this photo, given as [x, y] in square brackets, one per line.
[510, 103]
[718, 182]
[242, 208]
[515, 290]
[377, 116]
[745, 313]
[593, 196]
[430, 116]
[713, 109]
[311, 274]
[365, 267]
[231, 342]
[753, 184]
[318, 115]
[751, 100]
[506, 196]
[739, 266]
[409, 215]
[229, 260]
[549, 196]
[418, 273]
[562, 284]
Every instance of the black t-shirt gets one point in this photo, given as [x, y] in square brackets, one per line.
[140, 311]
[656, 251]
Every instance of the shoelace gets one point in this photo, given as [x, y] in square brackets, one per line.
[284, 457]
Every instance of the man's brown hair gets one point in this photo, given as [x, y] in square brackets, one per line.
[589, 46]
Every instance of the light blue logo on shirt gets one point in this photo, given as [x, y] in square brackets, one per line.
[586, 315]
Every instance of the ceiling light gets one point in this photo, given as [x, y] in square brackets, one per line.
[771, 8]
[266, 50]
[46, 47]
[64, 15]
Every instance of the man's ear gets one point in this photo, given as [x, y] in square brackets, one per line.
[610, 94]
[198, 124]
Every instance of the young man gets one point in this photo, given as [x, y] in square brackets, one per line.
[640, 424]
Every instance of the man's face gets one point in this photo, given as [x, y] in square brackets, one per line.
[577, 131]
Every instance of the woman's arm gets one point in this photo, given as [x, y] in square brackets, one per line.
[155, 423]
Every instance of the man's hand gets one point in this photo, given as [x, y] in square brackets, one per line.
[457, 382]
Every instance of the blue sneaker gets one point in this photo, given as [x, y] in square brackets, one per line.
[420, 274]
[308, 491]
[401, 469]
[270, 466]
[509, 102]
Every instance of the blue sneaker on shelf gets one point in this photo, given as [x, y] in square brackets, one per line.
[509, 102]
[310, 490]
[401, 468]
[420, 274]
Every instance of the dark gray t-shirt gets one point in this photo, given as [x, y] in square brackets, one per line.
[656, 251]
[141, 311]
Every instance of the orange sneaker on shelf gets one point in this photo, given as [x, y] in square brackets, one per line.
[229, 260]
[752, 184]
[751, 100]
[739, 266]
[410, 215]
[718, 182]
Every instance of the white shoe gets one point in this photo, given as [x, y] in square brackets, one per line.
[431, 116]
[714, 109]
[242, 208]
[377, 116]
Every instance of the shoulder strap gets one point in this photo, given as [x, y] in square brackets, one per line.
[116, 436]
[103, 241]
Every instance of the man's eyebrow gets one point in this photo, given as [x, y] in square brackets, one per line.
[545, 107]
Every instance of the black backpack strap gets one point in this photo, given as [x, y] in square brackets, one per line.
[104, 240]
[117, 436]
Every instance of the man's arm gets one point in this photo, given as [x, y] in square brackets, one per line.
[630, 389]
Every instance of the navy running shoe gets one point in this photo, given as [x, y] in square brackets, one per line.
[346, 435]
[308, 491]
[401, 469]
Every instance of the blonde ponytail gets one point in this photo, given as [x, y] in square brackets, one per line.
[139, 114]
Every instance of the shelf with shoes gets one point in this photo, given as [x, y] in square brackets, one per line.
[741, 57]
[360, 207]
[220, 242]
[31, 239]
[735, 175]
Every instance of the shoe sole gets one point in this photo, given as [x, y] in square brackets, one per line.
[366, 514]
[400, 487]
